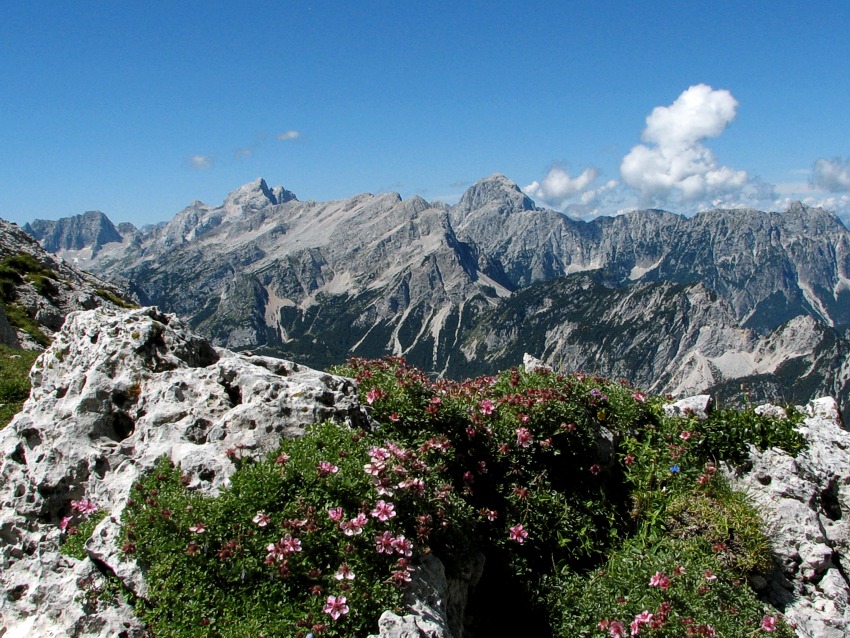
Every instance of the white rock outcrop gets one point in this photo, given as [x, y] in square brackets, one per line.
[805, 504]
[115, 391]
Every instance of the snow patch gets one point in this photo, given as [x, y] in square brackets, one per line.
[639, 271]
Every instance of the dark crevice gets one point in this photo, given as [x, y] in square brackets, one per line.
[499, 590]
[830, 505]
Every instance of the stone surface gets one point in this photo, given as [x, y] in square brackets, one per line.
[805, 504]
[114, 392]
[700, 406]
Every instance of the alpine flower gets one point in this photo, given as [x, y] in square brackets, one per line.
[768, 623]
[518, 533]
[84, 506]
[326, 468]
[344, 573]
[523, 437]
[335, 607]
[262, 519]
[383, 511]
[659, 580]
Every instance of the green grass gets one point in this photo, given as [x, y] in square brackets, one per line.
[14, 381]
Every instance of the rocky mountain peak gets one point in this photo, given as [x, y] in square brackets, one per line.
[495, 190]
[91, 229]
[257, 194]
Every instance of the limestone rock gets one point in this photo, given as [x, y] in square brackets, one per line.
[805, 504]
[700, 406]
[115, 391]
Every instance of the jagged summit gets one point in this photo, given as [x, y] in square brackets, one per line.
[257, 194]
[495, 190]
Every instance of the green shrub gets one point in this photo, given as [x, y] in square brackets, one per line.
[575, 489]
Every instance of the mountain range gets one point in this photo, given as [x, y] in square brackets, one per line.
[744, 304]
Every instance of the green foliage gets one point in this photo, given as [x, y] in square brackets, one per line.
[14, 381]
[576, 488]
[76, 535]
[228, 565]
[725, 434]
[15, 268]
[679, 587]
[19, 318]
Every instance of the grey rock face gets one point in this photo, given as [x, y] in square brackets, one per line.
[8, 335]
[805, 504]
[688, 305]
[114, 392]
[89, 230]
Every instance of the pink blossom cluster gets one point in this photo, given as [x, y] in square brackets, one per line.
[386, 543]
[285, 546]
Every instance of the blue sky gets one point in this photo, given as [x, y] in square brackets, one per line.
[138, 108]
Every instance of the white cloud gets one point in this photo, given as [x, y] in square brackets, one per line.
[558, 185]
[676, 163]
[201, 162]
[832, 175]
[289, 135]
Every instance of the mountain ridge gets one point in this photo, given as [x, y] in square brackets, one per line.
[372, 275]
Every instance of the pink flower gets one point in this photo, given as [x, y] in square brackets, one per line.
[644, 617]
[616, 629]
[384, 543]
[595, 469]
[394, 417]
[378, 453]
[414, 485]
[282, 459]
[262, 519]
[375, 468]
[639, 397]
[486, 406]
[518, 533]
[63, 524]
[629, 460]
[659, 580]
[374, 395]
[335, 514]
[768, 623]
[355, 526]
[523, 437]
[685, 435]
[290, 545]
[344, 573]
[383, 511]
[84, 506]
[383, 485]
[709, 575]
[198, 528]
[403, 546]
[436, 401]
[335, 607]
[326, 468]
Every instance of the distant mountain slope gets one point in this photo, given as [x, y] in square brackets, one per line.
[37, 290]
[669, 302]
